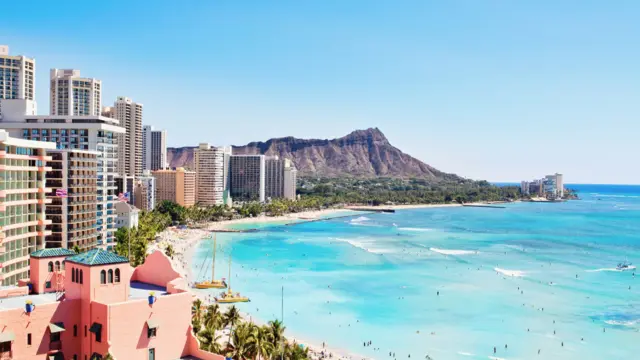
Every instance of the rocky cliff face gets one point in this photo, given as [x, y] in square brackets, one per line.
[362, 153]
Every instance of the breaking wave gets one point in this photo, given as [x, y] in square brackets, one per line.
[453, 252]
[513, 273]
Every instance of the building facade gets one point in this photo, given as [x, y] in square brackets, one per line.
[127, 215]
[17, 79]
[71, 94]
[178, 186]
[88, 305]
[23, 167]
[274, 177]
[290, 180]
[144, 192]
[129, 114]
[94, 133]
[154, 149]
[209, 165]
[247, 177]
[73, 182]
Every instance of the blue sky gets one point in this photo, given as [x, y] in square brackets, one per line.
[497, 90]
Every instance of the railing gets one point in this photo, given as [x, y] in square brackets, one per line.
[6, 355]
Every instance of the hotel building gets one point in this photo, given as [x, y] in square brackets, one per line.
[73, 95]
[144, 192]
[101, 306]
[129, 114]
[247, 177]
[22, 204]
[154, 148]
[209, 165]
[178, 186]
[94, 133]
[290, 180]
[17, 80]
[280, 178]
[73, 184]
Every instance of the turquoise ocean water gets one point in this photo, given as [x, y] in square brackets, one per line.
[376, 277]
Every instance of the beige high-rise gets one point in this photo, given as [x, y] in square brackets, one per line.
[17, 79]
[71, 94]
[22, 204]
[129, 114]
[178, 186]
[209, 165]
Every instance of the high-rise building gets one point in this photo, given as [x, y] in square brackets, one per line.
[73, 192]
[129, 114]
[144, 192]
[178, 186]
[274, 177]
[17, 82]
[124, 184]
[71, 94]
[22, 204]
[553, 186]
[290, 180]
[154, 148]
[209, 166]
[94, 133]
[247, 177]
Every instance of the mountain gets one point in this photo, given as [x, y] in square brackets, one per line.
[362, 153]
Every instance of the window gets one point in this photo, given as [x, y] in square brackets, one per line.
[55, 337]
[29, 339]
[75, 330]
[47, 284]
[117, 275]
[152, 354]
[110, 276]
[103, 277]
[85, 331]
[57, 265]
[50, 266]
[80, 277]
[151, 332]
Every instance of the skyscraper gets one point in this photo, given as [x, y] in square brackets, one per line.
[247, 177]
[274, 177]
[144, 192]
[71, 94]
[209, 165]
[154, 148]
[178, 186]
[22, 204]
[72, 211]
[17, 81]
[129, 114]
[290, 180]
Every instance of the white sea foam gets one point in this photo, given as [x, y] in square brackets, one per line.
[630, 323]
[415, 229]
[496, 358]
[514, 273]
[360, 219]
[632, 267]
[465, 353]
[453, 252]
[366, 246]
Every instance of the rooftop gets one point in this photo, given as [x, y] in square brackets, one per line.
[97, 257]
[43, 253]
[19, 301]
[140, 290]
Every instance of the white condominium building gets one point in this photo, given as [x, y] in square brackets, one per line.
[209, 165]
[73, 95]
[17, 80]
[129, 114]
[154, 148]
[94, 133]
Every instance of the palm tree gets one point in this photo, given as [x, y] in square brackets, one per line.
[232, 316]
[209, 341]
[241, 348]
[196, 310]
[169, 251]
[262, 344]
[108, 357]
[296, 352]
[76, 249]
[213, 317]
[277, 333]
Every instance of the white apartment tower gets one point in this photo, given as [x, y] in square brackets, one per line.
[129, 114]
[17, 81]
[154, 148]
[209, 165]
[73, 95]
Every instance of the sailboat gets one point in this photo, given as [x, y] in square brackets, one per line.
[213, 283]
[229, 297]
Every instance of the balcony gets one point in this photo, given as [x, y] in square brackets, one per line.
[55, 346]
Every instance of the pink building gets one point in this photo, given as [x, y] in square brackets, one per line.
[102, 305]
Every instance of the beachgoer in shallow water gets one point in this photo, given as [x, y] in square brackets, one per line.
[494, 349]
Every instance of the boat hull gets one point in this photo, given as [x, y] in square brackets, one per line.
[234, 300]
[210, 285]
